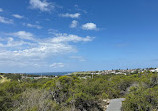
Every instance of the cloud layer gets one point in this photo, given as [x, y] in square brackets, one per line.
[23, 35]
[25, 49]
[6, 20]
[32, 25]
[75, 15]
[41, 5]
[57, 65]
[21, 47]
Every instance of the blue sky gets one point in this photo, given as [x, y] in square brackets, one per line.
[77, 35]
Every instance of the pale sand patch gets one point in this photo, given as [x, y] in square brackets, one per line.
[4, 79]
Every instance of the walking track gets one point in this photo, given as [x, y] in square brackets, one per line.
[115, 104]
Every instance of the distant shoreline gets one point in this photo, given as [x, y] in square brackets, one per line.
[45, 73]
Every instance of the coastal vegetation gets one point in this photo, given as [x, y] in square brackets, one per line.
[78, 92]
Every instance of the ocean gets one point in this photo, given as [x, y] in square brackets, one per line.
[50, 73]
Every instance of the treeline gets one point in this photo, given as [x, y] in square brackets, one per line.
[73, 93]
[144, 96]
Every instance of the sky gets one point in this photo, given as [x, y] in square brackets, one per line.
[77, 35]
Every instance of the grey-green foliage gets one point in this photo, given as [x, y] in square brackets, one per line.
[75, 93]
[35, 100]
[143, 97]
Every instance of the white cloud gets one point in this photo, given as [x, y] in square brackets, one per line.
[24, 50]
[52, 31]
[41, 5]
[38, 48]
[70, 38]
[6, 20]
[1, 10]
[74, 24]
[23, 35]
[80, 10]
[10, 42]
[32, 26]
[80, 58]
[75, 15]
[89, 26]
[57, 65]
[17, 16]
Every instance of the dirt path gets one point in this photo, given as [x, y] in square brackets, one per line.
[115, 104]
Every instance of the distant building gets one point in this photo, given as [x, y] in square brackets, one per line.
[154, 70]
